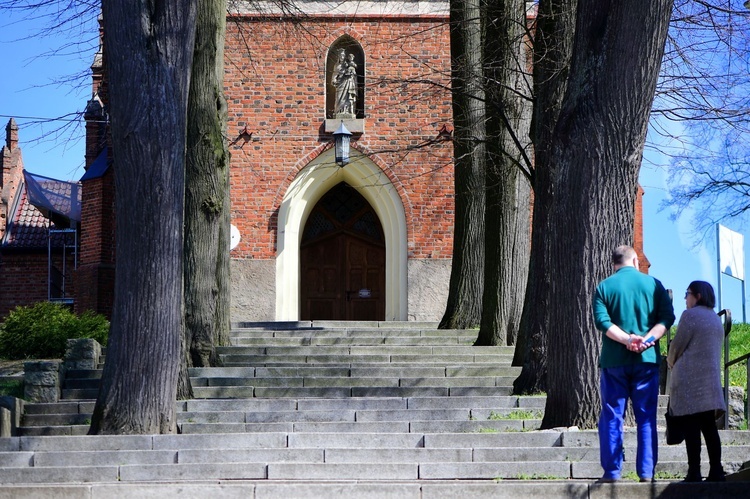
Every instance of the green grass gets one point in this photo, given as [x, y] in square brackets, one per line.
[660, 475]
[739, 345]
[538, 476]
[517, 414]
[13, 388]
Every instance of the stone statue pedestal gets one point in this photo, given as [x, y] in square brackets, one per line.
[352, 124]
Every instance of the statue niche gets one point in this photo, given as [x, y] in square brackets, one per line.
[345, 77]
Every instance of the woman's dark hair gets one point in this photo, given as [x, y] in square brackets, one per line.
[707, 298]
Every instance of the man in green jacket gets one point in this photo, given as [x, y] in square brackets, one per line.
[633, 310]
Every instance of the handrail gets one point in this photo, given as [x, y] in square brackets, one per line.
[727, 320]
[738, 360]
[727, 313]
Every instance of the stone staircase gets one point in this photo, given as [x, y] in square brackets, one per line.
[340, 410]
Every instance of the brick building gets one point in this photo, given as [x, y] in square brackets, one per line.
[312, 239]
[38, 232]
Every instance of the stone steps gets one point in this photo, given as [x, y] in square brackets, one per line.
[370, 489]
[376, 411]
[322, 456]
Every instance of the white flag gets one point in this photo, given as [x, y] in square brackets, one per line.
[732, 253]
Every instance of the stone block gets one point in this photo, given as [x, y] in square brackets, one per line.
[104, 458]
[380, 404]
[736, 407]
[386, 427]
[197, 456]
[5, 418]
[16, 459]
[490, 471]
[503, 489]
[56, 491]
[342, 471]
[82, 353]
[87, 443]
[203, 471]
[43, 380]
[230, 441]
[68, 474]
[493, 440]
[337, 490]
[417, 455]
[358, 440]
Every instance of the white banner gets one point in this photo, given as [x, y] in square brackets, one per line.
[731, 253]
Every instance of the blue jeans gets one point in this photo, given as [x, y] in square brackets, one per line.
[640, 384]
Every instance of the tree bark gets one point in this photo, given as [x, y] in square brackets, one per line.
[149, 49]
[596, 148]
[507, 227]
[463, 309]
[207, 320]
[553, 47]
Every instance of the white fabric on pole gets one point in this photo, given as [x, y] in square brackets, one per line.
[731, 253]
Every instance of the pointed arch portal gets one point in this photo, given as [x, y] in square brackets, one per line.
[308, 187]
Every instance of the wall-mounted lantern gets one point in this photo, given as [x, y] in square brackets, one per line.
[341, 139]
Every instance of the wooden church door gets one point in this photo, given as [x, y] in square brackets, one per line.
[342, 259]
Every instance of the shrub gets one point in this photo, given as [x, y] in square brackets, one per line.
[41, 331]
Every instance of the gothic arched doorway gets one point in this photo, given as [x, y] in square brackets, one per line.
[342, 259]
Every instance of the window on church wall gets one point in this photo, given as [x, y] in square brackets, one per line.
[345, 80]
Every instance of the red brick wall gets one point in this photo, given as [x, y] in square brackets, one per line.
[96, 272]
[276, 88]
[276, 92]
[25, 278]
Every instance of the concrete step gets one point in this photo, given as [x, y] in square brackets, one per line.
[79, 394]
[83, 374]
[355, 370]
[351, 382]
[355, 350]
[369, 489]
[355, 332]
[330, 463]
[221, 392]
[59, 408]
[372, 409]
[249, 339]
[229, 358]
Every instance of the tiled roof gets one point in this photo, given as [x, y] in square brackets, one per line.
[28, 228]
[54, 198]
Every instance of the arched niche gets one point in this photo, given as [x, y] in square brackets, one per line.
[345, 67]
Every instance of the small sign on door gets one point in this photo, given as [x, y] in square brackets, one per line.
[365, 293]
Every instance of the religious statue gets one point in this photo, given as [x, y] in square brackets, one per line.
[344, 79]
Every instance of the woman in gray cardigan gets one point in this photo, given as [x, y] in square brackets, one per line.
[695, 388]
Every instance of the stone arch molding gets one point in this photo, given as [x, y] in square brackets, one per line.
[310, 184]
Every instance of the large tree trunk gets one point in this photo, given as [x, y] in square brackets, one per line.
[553, 48]
[464, 309]
[207, 319]
[149, 49]
[597, 149]
[507, 226]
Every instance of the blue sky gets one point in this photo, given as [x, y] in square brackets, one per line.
[28, 90]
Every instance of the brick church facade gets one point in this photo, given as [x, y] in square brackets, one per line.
[370, 240]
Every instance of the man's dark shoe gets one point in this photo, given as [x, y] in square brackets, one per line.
[646, 480]
[606, 480]
[693, 479]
